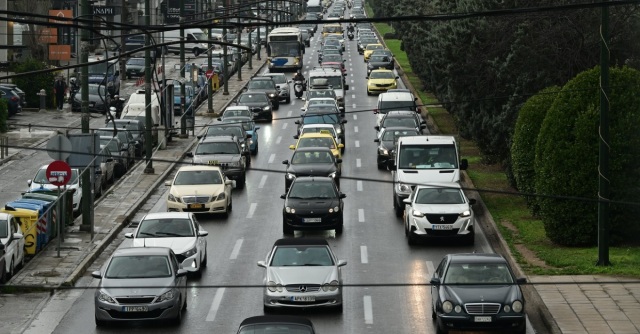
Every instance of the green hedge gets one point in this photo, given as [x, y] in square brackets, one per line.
[32, 84]
[566, 161]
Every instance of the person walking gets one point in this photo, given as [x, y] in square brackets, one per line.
[59, 88]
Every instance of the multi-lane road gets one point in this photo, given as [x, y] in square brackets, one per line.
[387, 280]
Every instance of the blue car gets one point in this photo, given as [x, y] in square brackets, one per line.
[12, 98]
[249, 127]
[189, 100]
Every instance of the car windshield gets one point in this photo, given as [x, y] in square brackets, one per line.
[165, 228]
[4, 229]
[395, 134]
[381, 75]
[275, 329]
[321, 93]
[320, 119]
[41, 177]
[478, 273]
[428, 157]
[439, 196]
[111, 144]
[313, 129]
[386, 106]
[301, 256]
[315, 102]
[332, 42]
[246, 124]
[260, 84]
[332, 57]
[218, 130]
[196, 177]
[301, 158]
[217, 148]
[379, 59]
[321, 108]
[138, 266]
[252, 98]
[317, 142]
[312, 190]
[405, 122]
[236, 112]
[279, 79]
[136, 61]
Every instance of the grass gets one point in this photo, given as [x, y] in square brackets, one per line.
[524, 233]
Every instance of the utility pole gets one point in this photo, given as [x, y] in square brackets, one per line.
[225, 91]
[182, 60]
[239, 50]
[84, 105]
[250, 45]
[123, 10]
[603, 149]
[147, 90]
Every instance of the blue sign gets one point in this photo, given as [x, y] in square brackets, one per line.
[279, 61]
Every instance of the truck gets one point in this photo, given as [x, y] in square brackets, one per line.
[105, 73]
[136, 109]
[424, 160]
[191, 37]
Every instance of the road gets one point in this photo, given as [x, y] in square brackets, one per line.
[373, 241]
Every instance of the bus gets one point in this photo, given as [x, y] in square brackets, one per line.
[285, 49]
[315, 7]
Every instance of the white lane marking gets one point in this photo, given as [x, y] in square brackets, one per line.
[358, 163]
[271, 158]
[215, 305]
[289, 113]
[252, 210]
[354, 106]
[357, 143]
[353, 96]
[361, 215]
[263, 181]
[364, 257]
[359, 185]
[355, 129]
[355, 117]
[351, 80]
[430, 268]
[284, 126]
[368, 312]
[236, 249]
[278, 139]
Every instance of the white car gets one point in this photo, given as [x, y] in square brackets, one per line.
[320, 101]
[13, 242]
[202, 189]
[179, 231]
[40, 181]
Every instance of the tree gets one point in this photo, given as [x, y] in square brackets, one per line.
[32, 84]
[37, 50]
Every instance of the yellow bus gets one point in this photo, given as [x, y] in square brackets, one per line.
[332, 29]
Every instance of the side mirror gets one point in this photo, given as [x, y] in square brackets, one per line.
[377, 127]
[228, 182]
[344, 121]
[342, 263]
[181, 272]
[297, 122]
[435, 281]
[167, 183]
[219, 118]
[338, 160]
[341, 108]
[96, 274]
[521, 280]
[128, 235]
[292, 147]
[29, 183]
[406, 201]
[303, 108]
[367, 77]
[343, 195]
[346, 87]
[340, 145]
[18, 236]
[189, 154]
[202, 233]
[397, 77]
[262, 264]
[464, 164]
[285, 162]
[472, 201]
[283, 196]
[423, 126]
[296, 136]
[393, 167]
[256, 128]
[377, 140]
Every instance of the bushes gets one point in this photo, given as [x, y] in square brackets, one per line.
[32, 84]
[566, 160]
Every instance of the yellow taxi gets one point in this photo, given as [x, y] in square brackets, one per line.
[369, 50]
[321, 139]
[379, 81]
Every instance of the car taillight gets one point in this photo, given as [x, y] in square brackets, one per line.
[15, 99]
[375, 111]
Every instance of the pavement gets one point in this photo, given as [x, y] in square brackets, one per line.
[564, 304]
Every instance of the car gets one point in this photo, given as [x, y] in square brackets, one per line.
[223, 151]
[137, 129]
[320, 114]
[98, 99]
[126, 138]
[189, 99]
[12, 239]
[259, 103]
[387, 144]
[107, 166]
[339, 38]
[262, 84]
[329, 50]
[201, 189]
[370, 48]
[179, 231]
[322, 139]
[312, 161]
[306, 37]
[119, 152]
[395, 99]
[332, 58]
[232, 111]
[319, 128]
[12, 97]
[363, 42]
[140, 283]
[439, 211]
[40, 181]
[17, 90]
[282, 84]
[232, 129]
[477, 292]
[249, 127]
[380, 81]
[313, 203]
[379, 61]
[402, 118]
[135, 67]
[320, 92]
[276, 323]
[302, 273]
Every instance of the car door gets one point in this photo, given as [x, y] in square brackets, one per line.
[438, 273]
[18, 241]
[201, 241]
[180, 282]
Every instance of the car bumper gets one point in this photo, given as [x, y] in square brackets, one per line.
[262, 114]
[209, 207]
[285, 299]
[375, 88]
[327, 222]
[112, 312]
[421, 228]
[506, 323]
[284, 94]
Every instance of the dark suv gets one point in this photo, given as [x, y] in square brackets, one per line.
[236, 130]
[265, 85]
[223, 151]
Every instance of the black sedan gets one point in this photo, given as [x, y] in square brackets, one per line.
[387, 144]
[259, 103]
[135, 67]
[98, 99]
[379, 61]
[477, 292]
[315, 115]
[276, 323]
[312, 203]
[312, 161]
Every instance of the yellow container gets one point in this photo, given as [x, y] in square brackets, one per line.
[28, 225]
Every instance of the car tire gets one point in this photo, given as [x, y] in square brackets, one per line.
[101, 323]
[368, 92]
[276, 106]
[178, 319]
[340, 227]
[339, 308]
[411, 241]
[398, 210]
[440, 330]
[470, 239]
[286, 229]
[434, 316]
[241, 182]
[255, 152]
[12, 271]
[186, 303]
[203, 263]
[22, 262]
[196, 52]
[267, 310]
[380, 166]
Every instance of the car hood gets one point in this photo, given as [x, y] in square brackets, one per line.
[304, 275]
[316, 205]
[136, 286]
[200, 189]
[375, 64]
[463, 294]
[220, 158]
[382, 81]
[416, 176]
[312, 169]
[441, 208]
[179, 245]
[268, 91]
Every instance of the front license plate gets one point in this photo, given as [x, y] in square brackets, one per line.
[214, 162]
[135, 309]
[442, 227]
[196, 206]
[303, 298]
[482, 319]
[312, 220]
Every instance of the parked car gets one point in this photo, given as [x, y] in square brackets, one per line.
[21, 93]
[13, 242]
[40, 181]
[136, 127]
[107, 166]
[119, 152]
[13, 100]
[126, 138]
[98, 99]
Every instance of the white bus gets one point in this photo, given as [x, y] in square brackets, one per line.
[285, 49]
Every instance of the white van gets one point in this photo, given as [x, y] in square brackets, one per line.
[320, 77]
[190, 35]
[395, 99]
[424, 160]
[136, 109]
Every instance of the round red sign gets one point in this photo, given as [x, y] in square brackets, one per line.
[58, 173]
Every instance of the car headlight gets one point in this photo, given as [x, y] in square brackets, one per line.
[289, 210]
[338, 131]
[272, 95]
[221, 196]
[251, 142]
[172, 198]
[458, 309]
[190, 252]
[165, 296]
[267, 108]
[333, 175]
[417, 213]
[466, 213]
[517, 306]
[332, 286]
[334, 209]
[447, 306]
[103, 297]
[290, 176]
[507, 308]
[404, 188]
[273, 287]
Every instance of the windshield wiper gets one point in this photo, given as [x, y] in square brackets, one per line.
[147, 233]
[170, 233]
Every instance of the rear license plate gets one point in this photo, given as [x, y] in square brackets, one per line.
[135, 309]
[482, 319]
[303, 298]
[442, 227]
[312, 220]
[196, 206]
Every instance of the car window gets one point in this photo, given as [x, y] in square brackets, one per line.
[217, 130]
[439, 196]
[320, 119]
[427, 157]
[165, 228]
[311, 158]
[196, 177]
[138, 266]
[404, 122]
[4, 229]
[478, 273]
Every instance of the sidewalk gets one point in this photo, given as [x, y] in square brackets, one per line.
[118, 205]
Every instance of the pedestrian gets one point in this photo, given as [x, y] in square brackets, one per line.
[59, 88]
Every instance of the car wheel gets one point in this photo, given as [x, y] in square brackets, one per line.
[240, 183]
[288, 100]
[286, 229]
[398, 210]
[196, 52]
[339, 308]
[101, 323]
[255, 152]
[12, 270]
[230, 208]
[203, 263]
[410, 239]
[340, 227]
[22, 261]
[184, 306]
[178, 319]
[266, 309]
[434, 316]
[380, 166]
[440, 330]
[470, 239]
[368, 92]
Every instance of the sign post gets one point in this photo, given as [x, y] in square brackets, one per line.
[59, 174]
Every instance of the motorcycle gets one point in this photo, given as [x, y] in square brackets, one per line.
[350, 35]
[116, 105]
[298, 87]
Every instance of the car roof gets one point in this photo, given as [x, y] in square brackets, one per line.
[219, 139]
[168, 215]
[399, 96]
[312, 149]
[316, 135]
[196, 168]
[381, 70]
[236, 108]
[262, 319]
[400, 113]
[301, 242]
[477, 258]
[454, 185]
[142, 251]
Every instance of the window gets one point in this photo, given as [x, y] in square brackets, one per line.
[217, 148]
[198, 177]
[138, 266]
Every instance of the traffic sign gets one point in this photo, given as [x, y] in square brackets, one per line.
[59, 147]
[209, 74]
[58, 173]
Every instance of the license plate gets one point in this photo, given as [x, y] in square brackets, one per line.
[442, 227]
[303, 298]
[135, 309]
[214, 162]
[482, 319]
[312, 220]
[196, 206]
